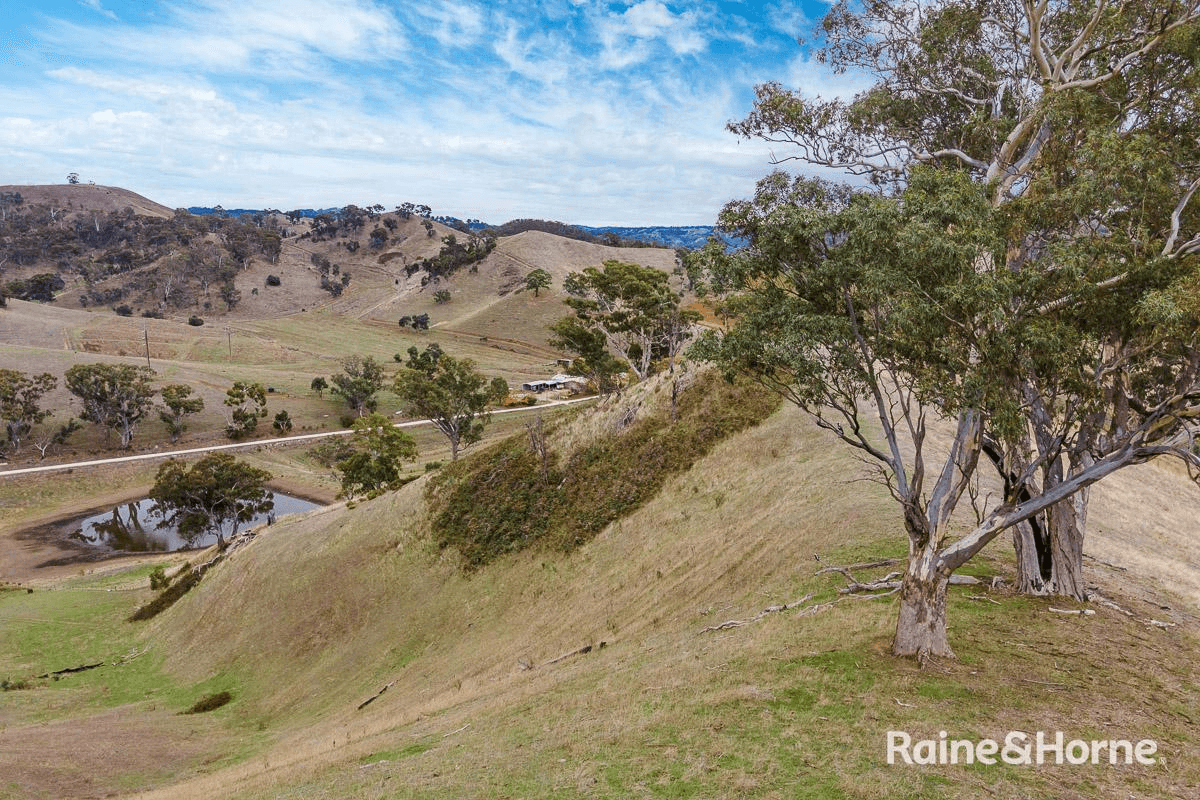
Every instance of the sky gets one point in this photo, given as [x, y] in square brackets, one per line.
[592, 113]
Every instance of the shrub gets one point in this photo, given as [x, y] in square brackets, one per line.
[168, 596]
[505, 499]
[273, 280]
[158, 578]
[209, 703]
[194, 320]
[152, 314]
[123, 311]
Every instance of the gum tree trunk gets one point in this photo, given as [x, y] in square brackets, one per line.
[921, 627]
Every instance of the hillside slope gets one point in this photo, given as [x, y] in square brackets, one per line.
[318, 615]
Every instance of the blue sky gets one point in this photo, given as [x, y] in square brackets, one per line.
[587, 112]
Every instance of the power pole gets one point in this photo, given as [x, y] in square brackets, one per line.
[146, 333]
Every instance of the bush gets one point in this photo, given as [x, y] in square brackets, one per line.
[159, 579]
[210, 703]
[123, 311]
[505, 499]
[168, 597]
[152, 314]
[194, 320]
[273, 280]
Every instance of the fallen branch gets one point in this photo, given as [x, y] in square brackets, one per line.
[890, 581]
[906, 705]
[581, 651]
[68, 670]
[1163, 625]
[982, 599]
[737, 623]
[885, 562]
[370, 700]
[456, 730]
[1080, 612]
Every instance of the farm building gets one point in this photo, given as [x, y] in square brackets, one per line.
[559, 381]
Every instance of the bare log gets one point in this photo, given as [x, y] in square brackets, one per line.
[737, 623]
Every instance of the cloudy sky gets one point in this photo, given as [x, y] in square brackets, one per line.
[588, 112]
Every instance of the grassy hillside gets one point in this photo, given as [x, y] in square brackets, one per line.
[320, 613]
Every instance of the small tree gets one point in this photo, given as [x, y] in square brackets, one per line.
[217, 493]
[450, 393]
[248, 404]
[178, 402]
[379, 450]
[441, 296]
[20, 398]
[319, 385]
[115, 396]
[282, 423]
[358, 383]
[537, 280]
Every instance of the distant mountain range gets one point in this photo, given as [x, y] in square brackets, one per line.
[689, 237]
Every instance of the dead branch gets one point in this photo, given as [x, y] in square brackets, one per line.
[68, 670]
[581, 651]
[456, 730]
[884, 562]
[982, 599]
[737, 623]
[1079, 612]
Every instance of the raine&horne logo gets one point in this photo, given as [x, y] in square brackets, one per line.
[1018, 748]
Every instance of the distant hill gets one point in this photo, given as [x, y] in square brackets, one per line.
[690, 237]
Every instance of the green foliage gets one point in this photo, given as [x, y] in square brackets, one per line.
[248, 404]
[115, 396]
[506, 498]
[218, 491]
[178, 402]
[20, 402]
[441, 296]
[626, 309]
[319, 385]
[167, 598]
[377, 451]
[159, 579]
[537, 280]
[358, 383]
[450, 393]
[282, 423]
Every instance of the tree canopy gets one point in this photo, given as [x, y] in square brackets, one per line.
[20, 403]
[216, 495]
[114, 396]
[379, 450]
[358, 383]
[450, 393]
[631, 308]
[1023, 273]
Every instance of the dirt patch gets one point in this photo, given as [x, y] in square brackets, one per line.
[105, 754]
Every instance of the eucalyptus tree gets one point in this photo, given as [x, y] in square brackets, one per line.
[450, 393]
[20, 403]
[114, 396]
[1079, 119]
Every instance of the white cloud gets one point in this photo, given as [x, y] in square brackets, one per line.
[96, 6]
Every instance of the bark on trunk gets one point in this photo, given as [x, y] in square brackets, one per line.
[1033, 557]
[1065, 526]
[921, 626]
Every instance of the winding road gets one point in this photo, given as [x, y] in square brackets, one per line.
[256, 443]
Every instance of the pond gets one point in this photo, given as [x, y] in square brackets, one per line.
[132, 528]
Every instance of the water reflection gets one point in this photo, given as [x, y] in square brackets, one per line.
[132, 527]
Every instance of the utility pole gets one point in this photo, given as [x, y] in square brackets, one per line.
[146, 333]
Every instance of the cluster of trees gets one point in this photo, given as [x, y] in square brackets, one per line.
[626, 318]
[1025, 269]
[333, 279]
[418, 322]
[513, 227]
[454, 255]
[161, 263]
